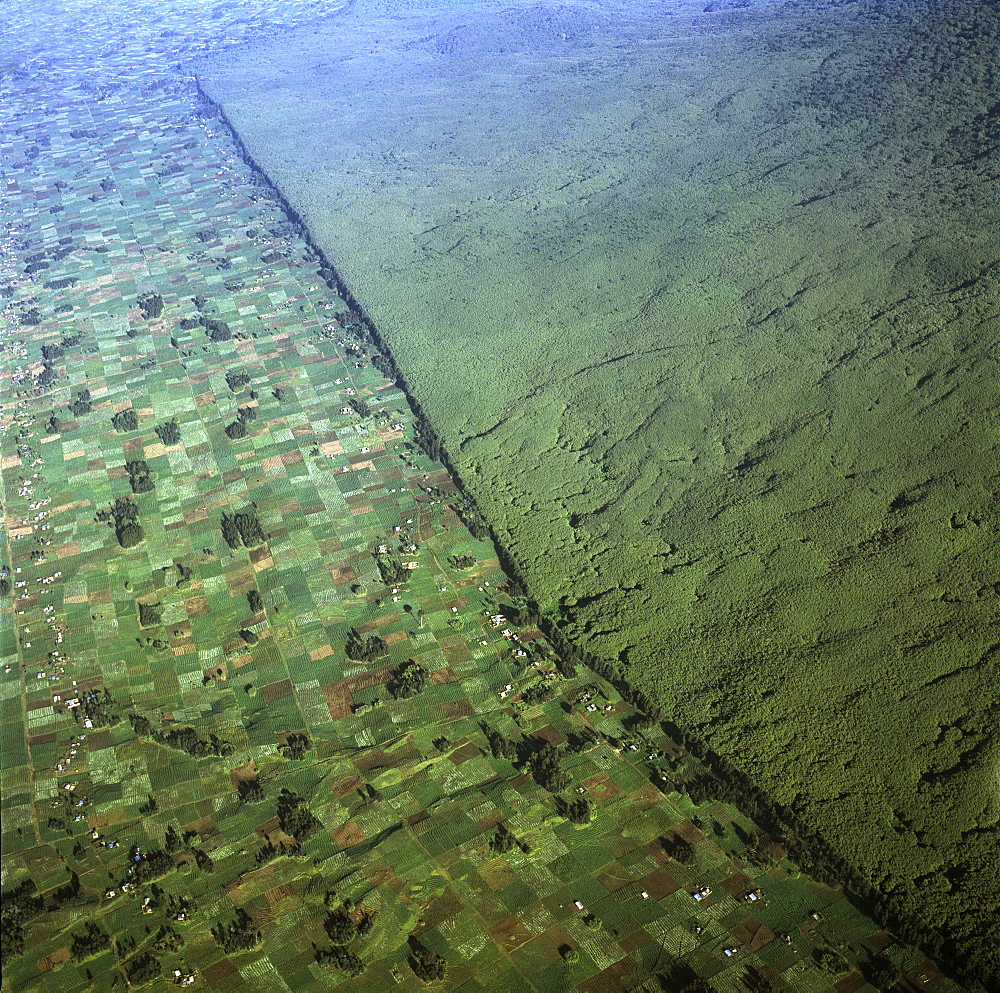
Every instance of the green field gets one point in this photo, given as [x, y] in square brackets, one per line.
[702, 302]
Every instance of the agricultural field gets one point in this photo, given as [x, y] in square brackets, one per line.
[272, 716]
[702, 301]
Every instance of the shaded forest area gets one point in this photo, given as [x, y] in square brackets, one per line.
[703, 308]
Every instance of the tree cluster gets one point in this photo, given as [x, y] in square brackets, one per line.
[150, 866]
[829, 961]
[100, 707]
[89, 942]
[149, 614]
[216, 330]
[364, 649]
[125, 515]
[537, 693]
[237, 381]
[18, 907]
[81, 405]
[408, 680]
[184, 739]
[359, 407]
[188, 740]
[502, 841]
[576, 811]
[151, 305]
[295, 817]
[204, 860]
[168, 432]
[251, 791]
[238, 428]
[239, 936]
[427, 965]
[296, 745]
[243, 528]
[172, 840]
[255, 601]
[501, 746]
[140, 969]
[392, 571]
[586, 738]
[680, 849]
[125, 420]
[340, 958]
[340, 926]
[545, 767]
[138, 476]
